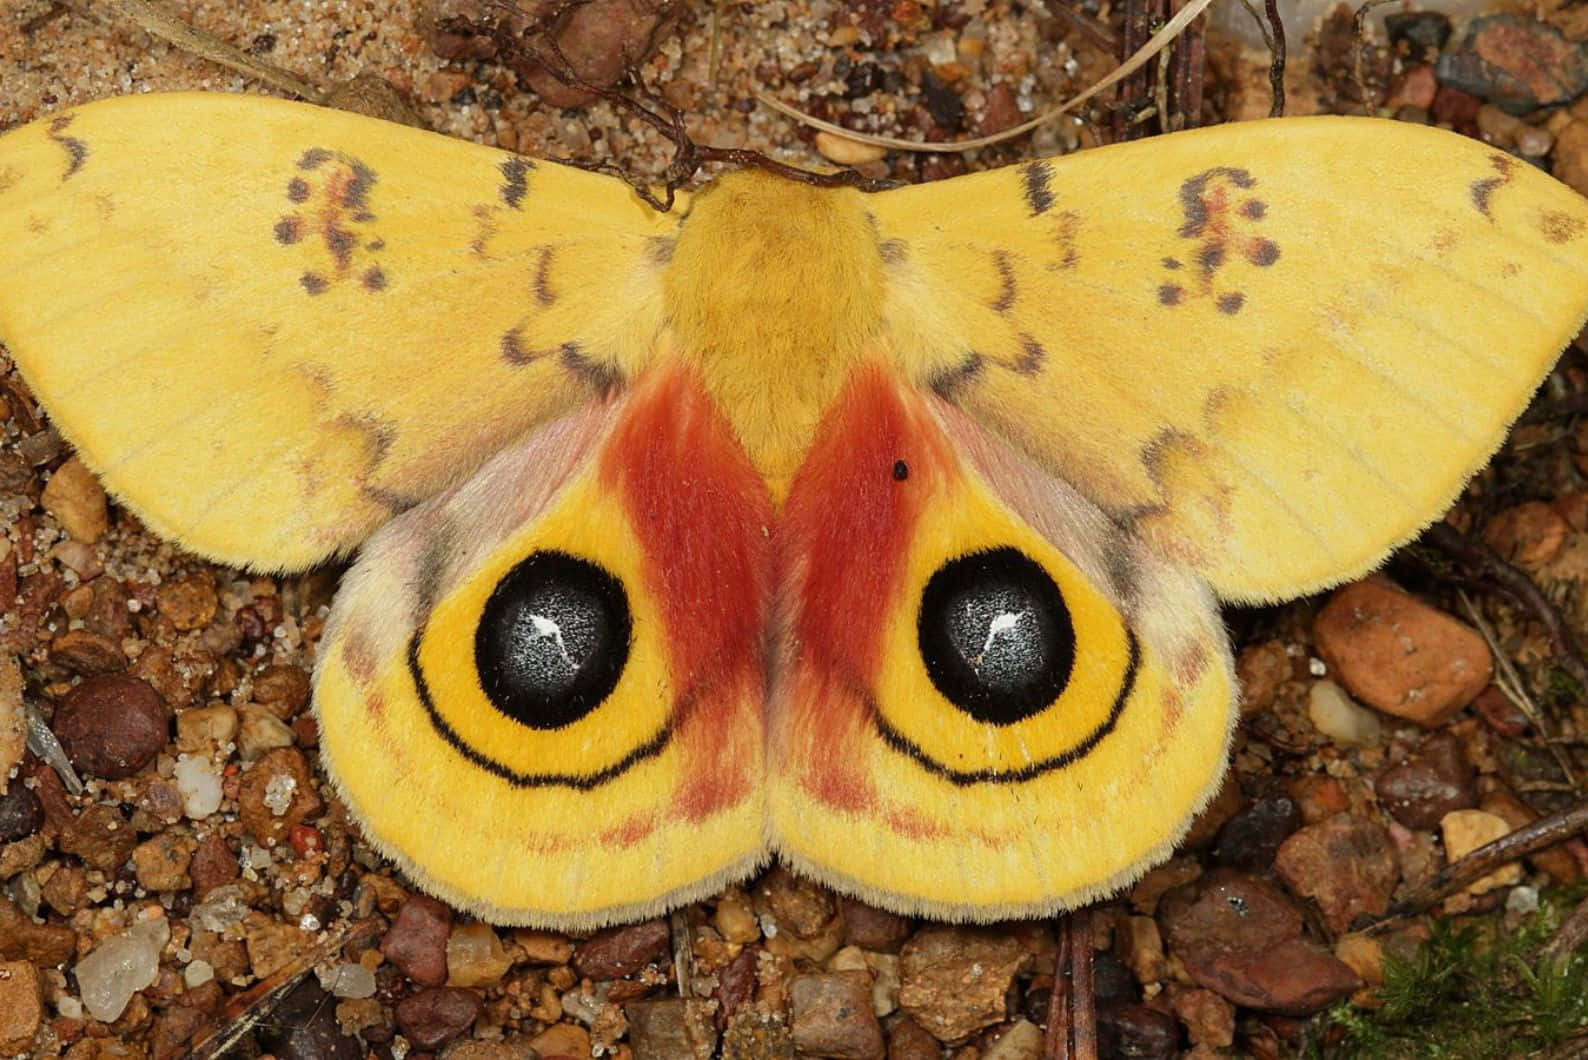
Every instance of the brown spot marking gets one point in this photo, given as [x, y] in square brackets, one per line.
[76, 150]
[1509, 269]
[913, 824]
[1482, 191]
[1032, 356]
[10, 177]
[1006, 273]
[543, 292]
[1559, 227]
[1037, 181]
[1222, 221]
[332, 192]
[946, 384]
[513, 351]
[486, 217]
[893, 251]
[1067, 234]
[604, 379]
[359, 658]
[515, 180]
[1189, 665]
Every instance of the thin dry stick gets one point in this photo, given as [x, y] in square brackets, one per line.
[161, 23]
[1084, 1019]
[1508, 681]
[1568, 938]
[1276, 65]
[1173, 28]
[1056, 1042]
[1544, 832]
[1358, 28]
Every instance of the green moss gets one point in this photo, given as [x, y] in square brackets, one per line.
[1476, 990]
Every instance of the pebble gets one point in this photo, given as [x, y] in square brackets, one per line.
[272, 944]
[1262, 670]
[437, 1014]
[1431, 783]
[620, 951]
[1346, 865]
[1400, 656]
[303, 1027]
[275, 794]
[1318, 797]
[111, 725]
[259, 731]
[1420, 34]
[189, 602]
[66, 889]
[800, 906]
[872, 929]
[1144, 948]
[1141, 1032]
[21, 1006]
[100, 836]
[348, 979]
[832, 1016]
[161, 863]
[1415, 86]
[543, 947]
[21, 813]
[119, 967]
[1208, 1018]
[476, 956]
[213, 865]
[1464, 831]
[417, 940]
[1515, 60]
[1241, 937]
[846, 151]
[663, 1029]
[284, 689]
[1340, 718]
[46, 945]
[1250, 838]
[955, 980]
[1364, 955]
[908, 1040]
[1021, 1040]
[74, 496]
[734, 918]
[199, 782]
[85, 653]
[565, 1040]
[1529, 534]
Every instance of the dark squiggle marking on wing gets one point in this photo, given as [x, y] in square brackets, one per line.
[1037, 180]
[515, 181]
[76, 150]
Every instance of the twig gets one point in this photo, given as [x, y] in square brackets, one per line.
[1276, 64]
[1072, 1011]
[1544, 832]
[1568, 938]
[1358, 27]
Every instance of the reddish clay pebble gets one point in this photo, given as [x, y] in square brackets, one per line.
[112, 725]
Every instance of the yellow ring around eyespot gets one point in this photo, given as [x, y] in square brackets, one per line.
[966, 519]
[587, 523]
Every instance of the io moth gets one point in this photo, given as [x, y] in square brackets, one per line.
[882, 533]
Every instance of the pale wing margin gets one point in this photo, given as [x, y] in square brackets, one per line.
[271, 326]
[1275, 350]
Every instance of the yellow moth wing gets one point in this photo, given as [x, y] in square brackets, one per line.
[1239, 340]
[309, 319]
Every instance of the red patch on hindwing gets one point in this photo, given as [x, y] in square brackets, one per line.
[701, 513]
[844, 541]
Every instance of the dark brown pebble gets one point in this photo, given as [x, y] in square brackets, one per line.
[284, 689]
[1515, 60]
[303, 1027]
[872, 929]
[1137, 1031]
[213, 864]
[620, 951]
[1430, 784]
[437, 1014]
[1250, 839]
[1346, 864]
[1421, 33]
[83, 652]
[21, 812]
[111, 725]
[833, 1017]
[908, 1040]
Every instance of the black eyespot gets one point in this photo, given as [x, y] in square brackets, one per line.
[996, 636]
[553, 640]
[901, 471]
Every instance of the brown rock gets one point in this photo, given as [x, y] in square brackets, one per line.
[620, 951]
[1223, 806]
[74, 496]
[284, 689]
[438, 1014]
[161, 863]
[213, 864]
[1529, 534]
[100, 836]
[272, 944]
[84, 652]
[1250, 839]
[111, 725]
[1414, 87]
[21, 1006]
[1226, 912]
[1136, 1030]
[45, 945]
[1318, 796]
[1399, 655]
[1159, 881]
[543, 947]
[602, 40]
[1515, 60]
[21, 814]
[666, 1028]
[1261, 670]
[833, 1017]
[1208, 1018]
[955, 979]
[562, 1040]
[1430, 784]
[1002, 111]
[872, 929]
[275, 794]
[1346, 864]
[189, 602]
[417, 940]
[908, 1040]
[800, 905]
[1294, 977]
[1464, 831]
[66, 891]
